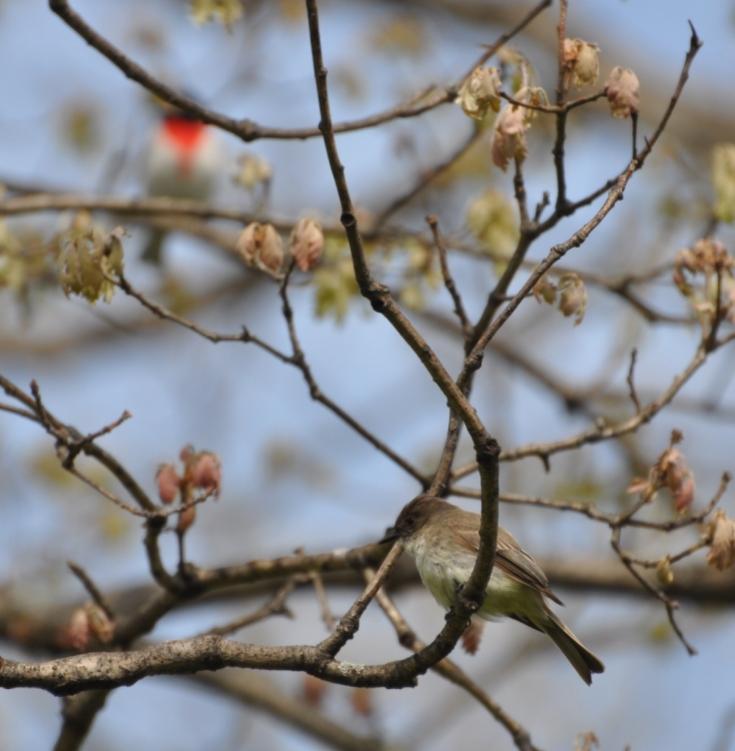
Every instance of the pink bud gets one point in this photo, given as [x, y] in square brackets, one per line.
[509, 136]
[722, 548]
[205, 472]
[99, 623]
[186, 453]
[260, 245]
[622, 90]
[684, 493]
[314, 690]
[362, 701]
[307, 243]
[168, 482]
[77, 633]
[472, 636]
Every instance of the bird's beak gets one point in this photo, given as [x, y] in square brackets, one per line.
[391, 534]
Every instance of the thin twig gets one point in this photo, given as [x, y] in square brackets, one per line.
[600, 432]
[631, 383]
[449, 282]
[350, 622]
[245, 336]
[92, 589]
[276, 605]
[321, 595]
[426, 178]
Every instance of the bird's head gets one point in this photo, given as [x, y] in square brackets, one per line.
[414, 516]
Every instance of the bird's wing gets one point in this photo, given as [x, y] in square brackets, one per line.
[509, 556]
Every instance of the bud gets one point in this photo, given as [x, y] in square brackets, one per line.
[480, 92]
[205, 472]
[187, 453]
[492, 220]
[168, 483]
[664, 573]
[260, 245]
[622, 92]
[670, 471]
[710, 259]
[721, 553]
[684, 493]
[313, 690]
[674, 474]
[586, 741]
[362, 701]
[252, 170]
[544, 291]
[307, 243]
[77, 631]
[87, 257]
[225, 12]
[509, 136]
[472, 636]
[572, 297]
[582, 61]
[100, 624]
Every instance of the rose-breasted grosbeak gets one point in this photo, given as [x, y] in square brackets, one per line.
[185, 158]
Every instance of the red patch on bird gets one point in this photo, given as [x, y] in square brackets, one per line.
[186, 134]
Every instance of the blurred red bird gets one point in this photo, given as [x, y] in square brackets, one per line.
[185, 160]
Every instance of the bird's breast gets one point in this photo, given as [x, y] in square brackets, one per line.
[444, 568]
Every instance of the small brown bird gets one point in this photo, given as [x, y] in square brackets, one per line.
[444, 541]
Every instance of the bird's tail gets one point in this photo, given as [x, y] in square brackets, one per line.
[582, 660]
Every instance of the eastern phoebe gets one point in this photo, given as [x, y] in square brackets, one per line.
[444, 541]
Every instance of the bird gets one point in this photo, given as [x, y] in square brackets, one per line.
[444, 541]
[184, 160]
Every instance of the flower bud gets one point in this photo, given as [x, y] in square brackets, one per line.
[544, 291]
[572, 297]
[313, 690]
[100, 624]
[307, 243]
[664, 573]
[261, 245]
[362, 701]
[168, 482]
[581, 61]
[509, 136]
[187, 453]
[472, 636]
[88, 257]
[252, 170]
[622, 90]
[721, 553]
[77, 632]
[492, 220]
[480, 92]
[205, 472]
[225, 12]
